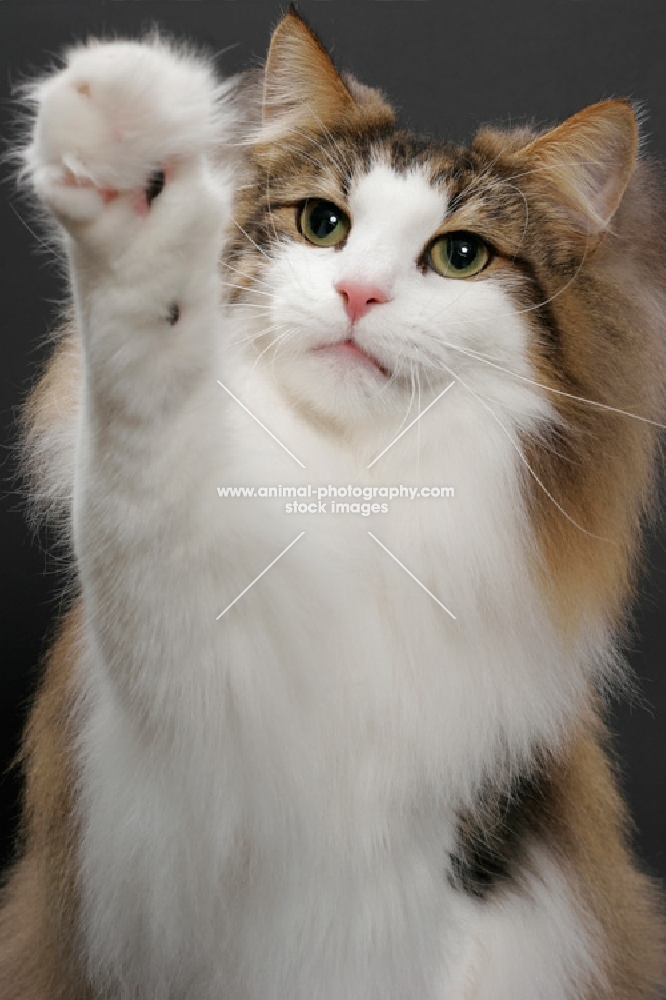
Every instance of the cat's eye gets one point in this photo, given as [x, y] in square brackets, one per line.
[323, 223]
[459, 255]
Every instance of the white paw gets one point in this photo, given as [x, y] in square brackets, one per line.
[114, 126]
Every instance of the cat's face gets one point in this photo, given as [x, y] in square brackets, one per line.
[371, 268]
[370, 293]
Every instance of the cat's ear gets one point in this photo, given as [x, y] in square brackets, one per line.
[587, 161]
[302, 88]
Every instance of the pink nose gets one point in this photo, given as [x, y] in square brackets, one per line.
[359, 298]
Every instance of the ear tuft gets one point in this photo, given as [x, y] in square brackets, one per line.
[302, 88]
[589, 160]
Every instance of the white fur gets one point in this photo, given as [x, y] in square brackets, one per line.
[267, 801]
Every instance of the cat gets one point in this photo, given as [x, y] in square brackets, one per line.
[282, 753]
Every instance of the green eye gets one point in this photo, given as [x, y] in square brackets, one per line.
[323, 223]
[459, 255]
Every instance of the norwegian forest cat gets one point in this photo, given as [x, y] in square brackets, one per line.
[287, 755]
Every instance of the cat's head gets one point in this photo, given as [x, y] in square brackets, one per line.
[376, 261]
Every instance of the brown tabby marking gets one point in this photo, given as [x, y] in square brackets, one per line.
[38, 911]
[570, 803]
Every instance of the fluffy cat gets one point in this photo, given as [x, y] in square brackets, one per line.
[264, 764]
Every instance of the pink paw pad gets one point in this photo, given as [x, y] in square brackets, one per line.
[70, 179]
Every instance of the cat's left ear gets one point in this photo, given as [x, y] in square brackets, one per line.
[304, 91]
[302, 88]
[587, 161]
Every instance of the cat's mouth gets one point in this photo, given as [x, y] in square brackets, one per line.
[349, 350]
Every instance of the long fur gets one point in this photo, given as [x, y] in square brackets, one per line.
[334, 788]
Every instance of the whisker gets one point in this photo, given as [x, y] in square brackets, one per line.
[254, 278]
[289, 335]
[411, 399]
[476, 356]
[258, 334]
[255, 245]
[242, 288]
[272, 343]
[524, 461]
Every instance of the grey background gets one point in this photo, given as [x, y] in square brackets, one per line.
[448, 67]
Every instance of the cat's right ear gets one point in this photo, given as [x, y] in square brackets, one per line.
[302, 88]
[587, 163]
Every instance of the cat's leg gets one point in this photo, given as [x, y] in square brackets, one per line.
[122, 154]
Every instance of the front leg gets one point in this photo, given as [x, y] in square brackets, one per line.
[121, 156]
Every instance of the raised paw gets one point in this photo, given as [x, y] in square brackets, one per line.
[114, 126]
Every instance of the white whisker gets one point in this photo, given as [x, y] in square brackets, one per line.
[255, 245]
[476, 356]
[524, 461]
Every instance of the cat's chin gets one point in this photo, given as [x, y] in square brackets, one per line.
[341, 384]
[351, 359]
